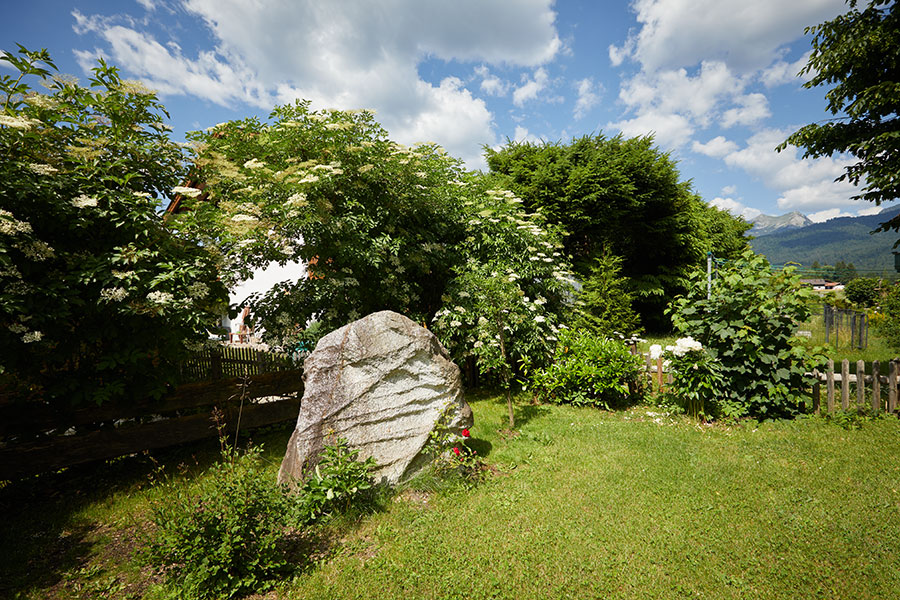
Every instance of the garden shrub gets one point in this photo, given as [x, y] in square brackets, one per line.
[223, 536]
[748, 325]
[697, 378]
[863, 291]
[586, 370]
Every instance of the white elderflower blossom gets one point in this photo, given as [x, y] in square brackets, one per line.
[478, 344]
[32, 336]
[298, 199]
[18, 122]
[17, 328]
[655, 351]
[42, 169]
[113, 294]
[455, 323]
[190, 192]
[366, 168]
[83, 201]
[309, 179]
[539, 319]
[141, 194]
[241, 217]
[198, 289]
[159, 297]
[685, 345]
[254, 163]
[9, 225]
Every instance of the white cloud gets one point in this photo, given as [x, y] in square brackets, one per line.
[669, 130]
[363, 55]
[803, 183]
[531, 88]
[716, 148]
[827, 215]
[729, 190]
[752, 109]
[588, 97]
[746, 35]
[735, 208]
[490, 83]
[871, 210]
[522, 135]
[781, 72]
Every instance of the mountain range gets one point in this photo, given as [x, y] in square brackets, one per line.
[787, 239]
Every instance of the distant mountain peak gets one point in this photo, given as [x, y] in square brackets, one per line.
[766, 224]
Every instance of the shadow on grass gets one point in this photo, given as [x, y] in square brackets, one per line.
[46, 539]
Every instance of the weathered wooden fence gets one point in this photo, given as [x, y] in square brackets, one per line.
[36, 437]
[877, 390]
[236, 361]
[882, 378]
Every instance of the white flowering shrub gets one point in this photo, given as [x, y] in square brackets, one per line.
[381, 226]
[698, 383]
[97, 295]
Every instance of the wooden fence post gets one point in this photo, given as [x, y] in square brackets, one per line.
[829, 385]
[816, 391]
[860, 383]
[893, 367]
[845, 384]
[659, 374]
[876, 386]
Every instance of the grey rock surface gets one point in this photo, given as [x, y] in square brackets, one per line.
[382, 383]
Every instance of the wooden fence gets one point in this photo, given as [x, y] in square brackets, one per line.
[236, 361]
[878, 381]
[877, 391]
[36, 437]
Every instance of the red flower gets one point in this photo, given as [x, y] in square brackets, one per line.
[456, 451]
[465, 433]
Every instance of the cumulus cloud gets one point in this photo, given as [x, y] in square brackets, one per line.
[746, 35]
[827, 215]
[668, 130]
[716, 148]
[364, 55]
[781, 72]
[803, 184]
[490, 83]
[530, 89]
[736, 208]
[523, 135]
[729, 190]
[752, 109]
[588, 97]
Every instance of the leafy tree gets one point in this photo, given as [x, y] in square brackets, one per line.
[97, 296]
[381, 225]
[863, 291]
[748, 325]
[887, 321]
[858, 53]
[619, 194]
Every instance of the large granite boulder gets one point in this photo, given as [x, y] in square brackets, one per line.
[382, 383]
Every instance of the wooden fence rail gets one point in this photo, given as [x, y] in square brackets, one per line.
[37, 437]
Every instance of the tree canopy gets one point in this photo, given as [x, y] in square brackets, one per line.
[858, 54]
[382, 226]
[625, 196]
[97, 296]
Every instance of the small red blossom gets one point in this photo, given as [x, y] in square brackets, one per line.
[456, 451]
[465, 433]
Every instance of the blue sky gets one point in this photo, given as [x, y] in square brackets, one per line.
[714, 80]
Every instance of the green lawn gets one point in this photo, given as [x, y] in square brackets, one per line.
[583, 504]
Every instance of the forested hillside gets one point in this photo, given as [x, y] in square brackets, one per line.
[847, 239]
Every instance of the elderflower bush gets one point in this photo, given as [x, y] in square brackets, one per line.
[95, 290]
[380, 226]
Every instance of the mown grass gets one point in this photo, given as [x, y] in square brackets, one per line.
[582, 503]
